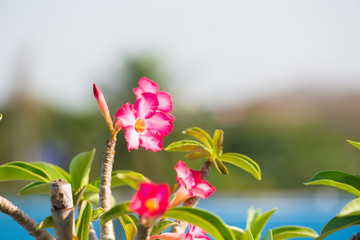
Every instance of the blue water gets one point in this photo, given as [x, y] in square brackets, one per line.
[295, 209]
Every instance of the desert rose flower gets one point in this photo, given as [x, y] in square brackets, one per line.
[151, 200]
[143, 124]
[194, 233]
[190, 184]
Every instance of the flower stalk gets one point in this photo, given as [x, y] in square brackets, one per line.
[107, 230]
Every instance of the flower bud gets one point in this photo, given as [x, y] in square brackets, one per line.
[102, 105]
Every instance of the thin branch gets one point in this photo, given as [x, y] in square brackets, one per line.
[107, 230]
[29, 224]
[181, 226]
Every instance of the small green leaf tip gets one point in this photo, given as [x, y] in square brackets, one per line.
[355, 144]
[0, 116]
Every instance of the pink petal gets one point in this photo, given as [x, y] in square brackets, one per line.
[160, 124]
[126, 114]
[146, 105]
[181, 170]
[165, 103]
[151, 142]
[146, 85]
[195, 233]
[168, 236]
[137, 92]
[170, 116]
[132, 138]
[203, 189]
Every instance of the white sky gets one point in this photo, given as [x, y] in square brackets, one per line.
[213, 51]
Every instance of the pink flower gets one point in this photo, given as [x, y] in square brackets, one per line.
[194, 233]
[146, 85]
[191, 184]
[150, 200]
[143, 124]
[102, 105]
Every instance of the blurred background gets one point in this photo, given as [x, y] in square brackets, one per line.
[281, 78]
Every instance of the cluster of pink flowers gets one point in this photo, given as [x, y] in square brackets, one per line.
[145, 124]
[151, 201]
[148, 120]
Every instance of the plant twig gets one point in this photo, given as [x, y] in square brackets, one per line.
[107, 230]
[355, 237]
[143, 232]
[62, 209]
[29, 224]
[181, 226]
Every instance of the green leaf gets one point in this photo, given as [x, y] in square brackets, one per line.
[35, 188]
[243, 162]
[92, 188]
[356, 144]
[218, 141]
[205, 220]
[46, 223]
[31, 167]
[248, 235]
[14, 172]
[259, 223]
[1, 116]
[124, 177]
[114, 212]
[135, 219]
[340, 180]
[220, 166]
[238, 232]
[77, 195]
[96, 213]
[187, 146]
[338, 223]
[196, 155]
[286, 232]
[54, 172]
[129, 226]
[80, 169]
[268, 236]
[161, 227]
[252, 214]
[200, 134]
[351, 209]
[83, 222]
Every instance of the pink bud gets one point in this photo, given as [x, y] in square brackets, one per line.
[117, 124]
[102, 105]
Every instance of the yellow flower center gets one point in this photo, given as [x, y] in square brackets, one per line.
[140, 125]
[152, 204]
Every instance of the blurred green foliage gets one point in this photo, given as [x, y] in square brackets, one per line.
[289, 150]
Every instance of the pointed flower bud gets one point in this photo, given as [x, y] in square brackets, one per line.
[102, 105]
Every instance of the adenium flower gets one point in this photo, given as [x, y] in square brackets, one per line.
[191, 184]
[194, 233]
[151, 200]
[143, 124]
